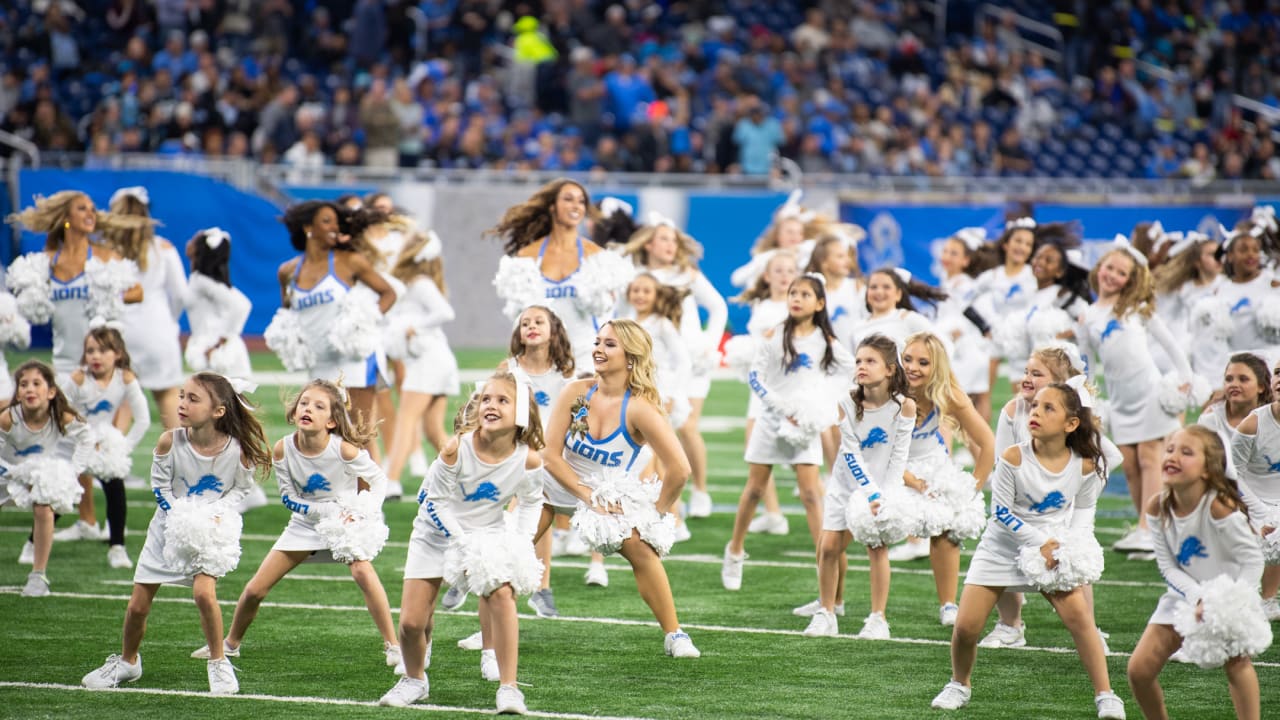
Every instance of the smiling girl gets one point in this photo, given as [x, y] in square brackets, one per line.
[1006, 290]
[1246, 386]
[890, 309]
[1255, 452]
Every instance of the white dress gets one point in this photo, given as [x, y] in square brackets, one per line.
[70, 321]
[872, 456]
[217, 314]
[306, 482]
[897, 325]
[1214, 417]
[673, 364]
[1012, 431]
[971, 359]
[1000, 297]
[1257, 460]
[317, 309]
[99, 405]
[702, 343]
[23, 442]
[1245, 299]
[151, 326]
[1175, 309]
[546, 389]
[425, 309]
[766, 315]
[847, 308]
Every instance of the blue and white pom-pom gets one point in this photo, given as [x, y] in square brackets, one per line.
[1174, 401]
[27, 277]
[45, 480]
[638, 498]
[1267, 318]
[284, 337]
[353, 528]
[1046, 324]
[898, 517]
[484, 560]
[202, 537]
[1212, 316]
[519, 284]
[108, 280]
[1079, 556]
[357, 331]
[1234, 623]
[111, 457]
[739, 353]
[603, 279]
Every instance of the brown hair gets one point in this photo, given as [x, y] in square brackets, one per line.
[558, 346]
[667, 301]
[888, 350]
[135, 243]
[109, 338]
[1138, 294]
[1261, 373]
[60, 407]
[530, 221]
[238, 421]
[637, 346]
[355, 431]
[822, 249]
[1215, 469]
[1085, 440]
[1180, 269]
[468, 416]
[760, 290]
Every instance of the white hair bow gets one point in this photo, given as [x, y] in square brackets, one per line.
[1228, 236]
[819, 277]
[611, 205]
[1074, 357]
[136, 191]
[1075, 258]
[98, 321]
[972, 237]
[903, 274]
[1122, 243]
[215, 236]
[1022, 223]
[791, 209]
[654, 218]
[1264, 216]
[1156, 233]
[1078, 383]
[431, 249]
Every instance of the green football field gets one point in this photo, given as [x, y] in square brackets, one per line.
[315, 650]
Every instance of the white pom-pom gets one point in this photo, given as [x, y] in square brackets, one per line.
[45, 480]
[1046, 324]
[1234, 623]
[284, 338]
[1271, 544]
[356, 531]
[108, 281]
[357, 331]
[519, 284]
[811, 416]
[603, 278]
[1172, 399]
[1211, 317]
[35, 306]
[680, 410]
[1267, 318]
[485, 560]
[1079, 557]
[637, 497]
[1011, 341]
[15, 329]
[202, 537]
[111, 459]
[898, 517]
[951, 505]
[396, 340]
[739, 353]
[197, 351]
[28, 272]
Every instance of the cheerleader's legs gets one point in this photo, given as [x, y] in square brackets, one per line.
[1270, 581]
[42, 536]
[694, 447]
[274, 566]
[385, 408]
[651, 581]
[167, 404]
[204, 592]
[88, 513]
[944, 558]
[1242, 681]
[975, 607]
[135, 622]
[830, 446]
[416, 408]
[832, 548]
[417, 610]
[878, 558]
[770, 493]
[1009, 607]
[811, 493]
[375, 598]
[1077, 616]
[503, 632]
[1157, 644]
[982, 403]
[1142, 471]
[758, 481]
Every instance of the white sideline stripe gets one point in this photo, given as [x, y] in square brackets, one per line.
[574, 619]
[294, 699]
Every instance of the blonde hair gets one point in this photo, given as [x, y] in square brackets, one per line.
[942, 386]
[1215, 469]
[638, 348]
[688, 250]
[1180, 269]
[468, 416]
[768, 240]
[50, 215]
[760, 290]
[823, 249]
[1138, 294]
[355, 431]
[406, 269]
[134, 244]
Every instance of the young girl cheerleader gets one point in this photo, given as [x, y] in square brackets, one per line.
[335, 492]
[797, 371]
[1190, 273]
[1246, 386]
[1117, 329]
[151, 325]
[201, 471]
[45, 445]
[890, 310]
[1255, 452]
[1250, 295]
[105, 384]
[1004, 292]
[1202, 535]
[671, 256]
[547, 262]
[1038, 485]
[431, 371]
[962, 262]
[865, 500]
[657, 308]
[216, 309]
[602, 433]
[953, 507]
[465, 534]
[1062, 291]
[835, 257]
[788, 231]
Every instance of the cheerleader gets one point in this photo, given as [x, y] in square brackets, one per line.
[875, 425]
[1038, 485]
[466, 535]
[1190, 274]
[200, 472]
[334, 491]
[547, 262]
[953, 506]
[657, 309]
[671, 256]
[962, 261]
[1202, 532]
[151, 325]
[431, 371]
[1249, 294]
[1255, 452]
[890, 310]
[797, 369]
[1246, 386]
[1117, 329]
[788, 231]
[216, 310]
[1062, 287]
[43, 446]
[1004, 292]
[104, 385]
[585, 444]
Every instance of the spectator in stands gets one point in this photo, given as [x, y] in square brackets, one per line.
[627, 90]
[811, 37]
[409, 114]
[381, 127]
[586, 94]
[368, 33]
[758, 136]
[1165, 162]
[612, 37]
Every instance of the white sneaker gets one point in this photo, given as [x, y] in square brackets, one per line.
[510, 701]
[875, 627]
[823, 624]
[575, 545]
[28, 554]
[406, 692]
[227, 650]
[1102, 637]
[1006, 636]
[113, 672]
[731, 570]
[222, 678]
[909, 550]
[1142, 556]
[256, 498]
[808, 609]
[394, 491]
[1109, 706]
[399, 669]
[558, 540]
[474, 641]
[699, 504]
[489, 665]
[947, 614]
[543, 604]
[118, 557]
[678, 645]
[1271, 608]
[953, 697]
[776, 524]
[37, 585]
[682, 532]
[392, 653]
[79, 530]
[1136, 540]
[453, 598]
[418, 463]
[597, 575]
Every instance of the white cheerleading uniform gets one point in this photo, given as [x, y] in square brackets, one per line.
[308, 482]
[23, 442]
[1001, 298]
[185, 473]
[1197, 548]
[897, 325]
[701, 343]
[1245, 299]
[1027, 503]
[802, 384]
[1257, 460]
[561, 297]
[847, 308]
[671, 361]
[1012, 431]
[766, 315]
[1175, 309]
[317, 309]
[588, 456]
[871, 459]
[99, 404]
[70, 321]
[217, 314]
[546, 388]
[1214, 417]
[1132, 379]
[435, 370]
[467, 496]
[151, 325]
[971, 359]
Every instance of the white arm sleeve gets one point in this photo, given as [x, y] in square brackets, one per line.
[1177, 355]
[529, 503]
[141, 413]
[436, 309]
[162, 479]
[706, 295]
[441, 487]
[241, 483]
[1085, 505]
[1003, 492]
[746, 275]
[1004, 433]
[175, 281]
[285, 484]
[768, 359]
[363, 467]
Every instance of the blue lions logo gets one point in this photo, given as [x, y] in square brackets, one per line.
[1113, 326]
[1191, 548]
[543, 399]
[1274, 466]
[877, 436]
[30, 450]
[483, 491]
[101, 406]
[316, 483]
[1241, 304]
[839, 313]
[1014, 289]
[1052, 501]
[800, 361]
[206, 482]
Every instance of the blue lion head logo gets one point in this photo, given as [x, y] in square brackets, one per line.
[1113, 326]
[1052, 501]
[1014, 289]
[877, 436]
[800, 361]
[1241, 304]
[484, 491]
[206, 482]
[316, 483]
[1191, 548]
[102, 406]
[542, 398]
